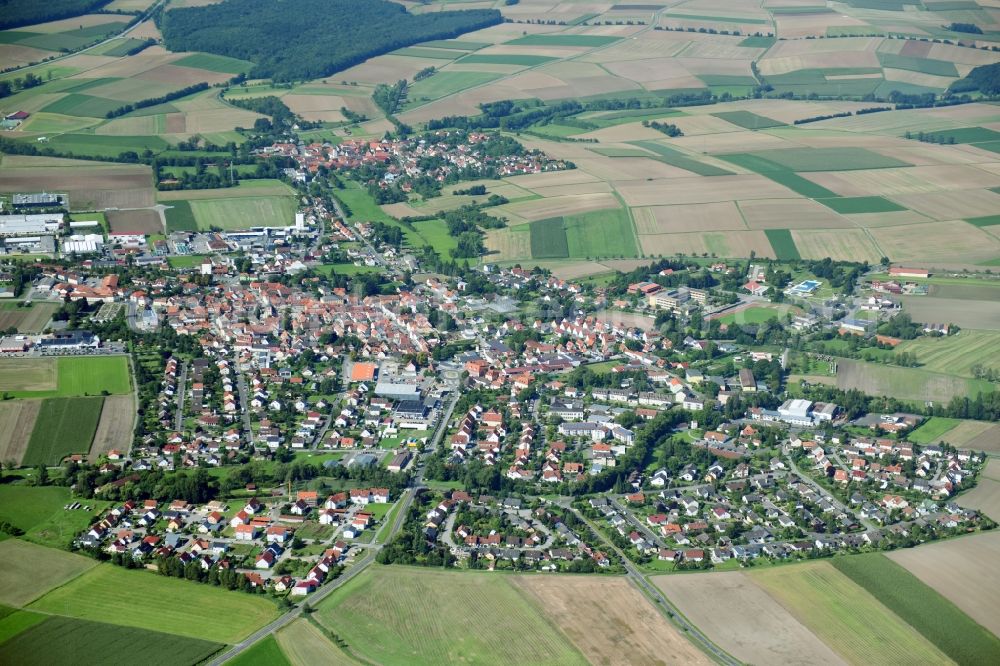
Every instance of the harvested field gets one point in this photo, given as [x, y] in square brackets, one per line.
[743, 620]
[252, 188]
[869, 220]
[963, 571]
[977, 435]
[845, 616]
[723, 244]
[114, 430]
[700, 190]
[839, 245]
[304, 645]
[904, 383]
[609, 620]
[180, 77]
[30, 571]
[89, 188]
[552, 179]
[721, 216]
[134, 222]
[967, 313]
[508, 244]
[29, 374]
[790, 214]
[26, 320]
[17, 420]
[952, 205]
[13, 55]
[985, 496]
[937, 241]
[538, 209]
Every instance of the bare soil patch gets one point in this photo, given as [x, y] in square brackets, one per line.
[744, 620]
[609, 620]
[134, 222]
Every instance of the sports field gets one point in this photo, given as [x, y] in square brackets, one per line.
[30, 571]
[845, 616]
[63, 426]
[399, 615]
[149, 601]
[63, 640]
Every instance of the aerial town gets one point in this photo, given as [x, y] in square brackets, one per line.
[531, 332]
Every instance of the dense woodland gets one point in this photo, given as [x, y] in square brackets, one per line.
[16, 13]
[350, 32]
[985, 79]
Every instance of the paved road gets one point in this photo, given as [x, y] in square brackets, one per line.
[181, 390]
[241, 387]
[376, 255]
[823, 492]
[654, 592]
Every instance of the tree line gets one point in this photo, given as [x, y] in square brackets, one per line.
[153, 101]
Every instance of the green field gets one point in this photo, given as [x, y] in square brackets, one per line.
[149, 601]
[548, 239]
[180, 217]
[563, 40]
[922, 65]
[748, 120]
[64, 426]
[932, 430]
[845, 616]
[28, 506]
[13, 622]
[848, 205]
[433, 54]
[119, 47]
[957, 354]
[104, 145]
[783, 244]
[914, 384]
[66, 640]
[668, 155]
[985, 221]
[937, 619]
[399, 615]
[758, 42]
[446, 83]
[262, 652]
[435, 233]
[87, 106]
[970, 134]
[505, 59]
[73, 376]
[30, 571]
[812, 159]
[244, 212]
[214, 63]
[601, 233]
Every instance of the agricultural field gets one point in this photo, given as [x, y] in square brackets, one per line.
[159, 603]
[845, 616]
[266, 651]
[89, 185]
[932, 430]
[934, 616]
[65, 376]
[17, 421]
[32, 570]
[396, 615]
[302, 643]
[63, 426]
[26, 319]
[114, 430]
[58, 640]
[905, 383]
[40, 512]
[744, 620]
[608, 620]
[957, 354]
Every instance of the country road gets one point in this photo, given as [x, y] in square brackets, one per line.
[654, 593]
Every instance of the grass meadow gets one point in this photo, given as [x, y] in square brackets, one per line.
[394, 615]
[30, 571]
[65, 376]
[149, 601]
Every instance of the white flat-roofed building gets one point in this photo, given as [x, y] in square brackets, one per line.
[83, 244]
[30, 225]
